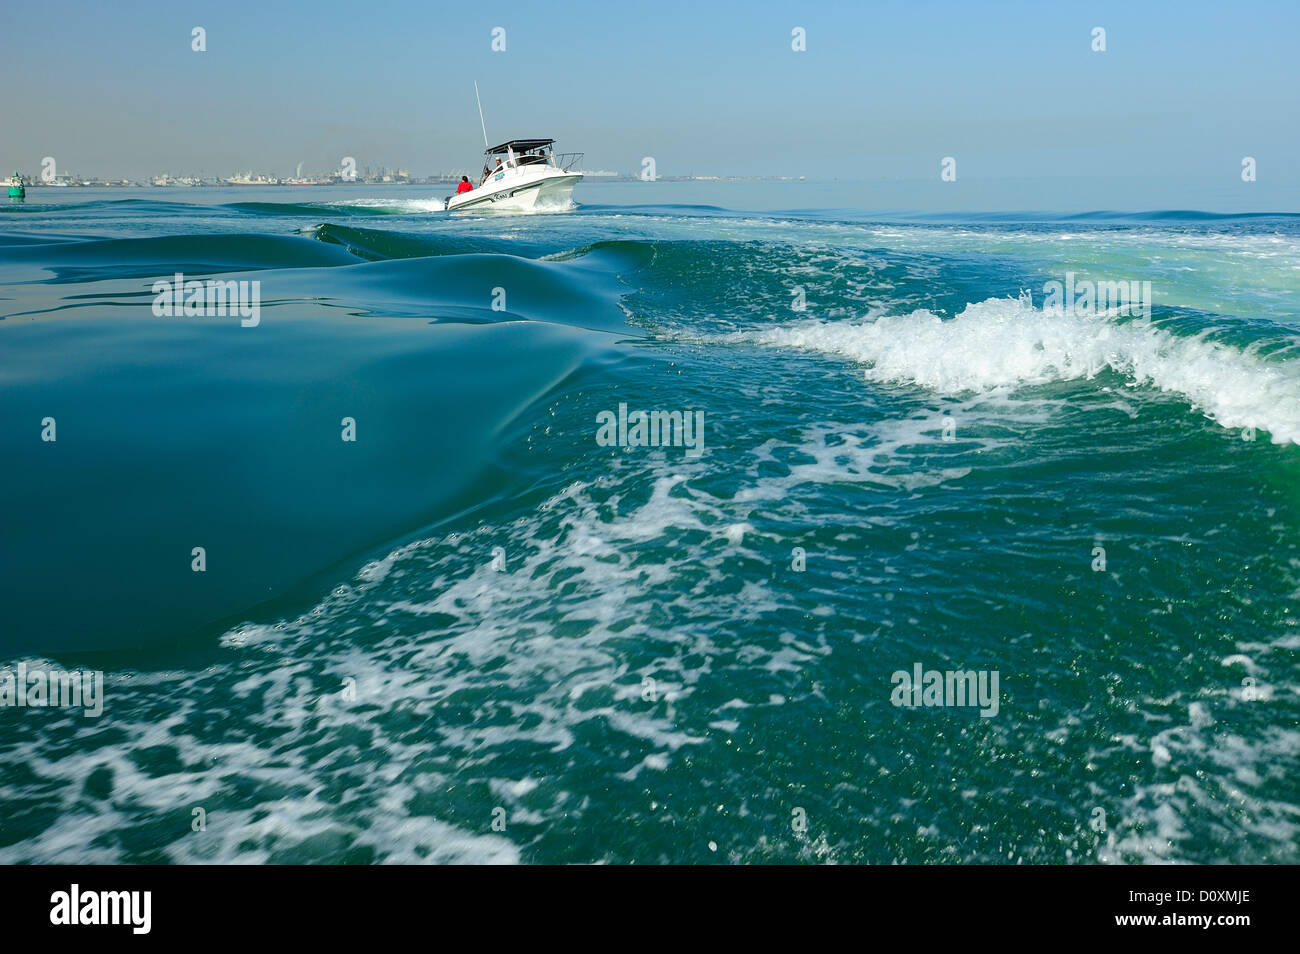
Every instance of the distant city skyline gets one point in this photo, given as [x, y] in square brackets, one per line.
[1180, 96]
[362, 172]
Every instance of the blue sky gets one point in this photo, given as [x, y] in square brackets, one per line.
[883, 91]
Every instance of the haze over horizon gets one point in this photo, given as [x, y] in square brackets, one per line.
[880, 93]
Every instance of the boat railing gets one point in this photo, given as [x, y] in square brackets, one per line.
[569, 161]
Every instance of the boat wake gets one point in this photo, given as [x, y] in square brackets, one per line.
[1004, 343]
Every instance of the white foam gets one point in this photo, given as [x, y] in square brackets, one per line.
[394, 205]
[1004, 343]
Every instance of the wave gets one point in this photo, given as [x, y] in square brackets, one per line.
[1004, 343]
[191, 254]
[253, 421]
[472, 289]
[380, 244]
[1097, 215]
[135, 206]
[620, 253]
[674, 209]
[1178, 215]
[342, 207]
[8, 239]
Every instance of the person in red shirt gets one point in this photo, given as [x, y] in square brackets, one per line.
[464, 186]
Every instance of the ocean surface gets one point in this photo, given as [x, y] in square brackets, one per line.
[475, 632]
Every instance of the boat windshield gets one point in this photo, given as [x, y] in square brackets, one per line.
[513, 160]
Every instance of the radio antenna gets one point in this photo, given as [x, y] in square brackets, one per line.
[480, 115]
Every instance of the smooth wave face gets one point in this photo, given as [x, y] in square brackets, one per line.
[479, 633]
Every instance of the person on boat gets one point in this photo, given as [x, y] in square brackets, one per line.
[465, 185]
[488, 172]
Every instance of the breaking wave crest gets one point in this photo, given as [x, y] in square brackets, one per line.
[1003, 343]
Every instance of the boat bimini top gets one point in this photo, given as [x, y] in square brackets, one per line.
[526, 152]
[517, 146]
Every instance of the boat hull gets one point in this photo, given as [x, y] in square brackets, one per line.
[548, 192]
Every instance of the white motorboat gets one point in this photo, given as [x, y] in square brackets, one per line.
[522, 175]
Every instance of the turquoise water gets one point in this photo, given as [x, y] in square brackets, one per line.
[477, 633]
